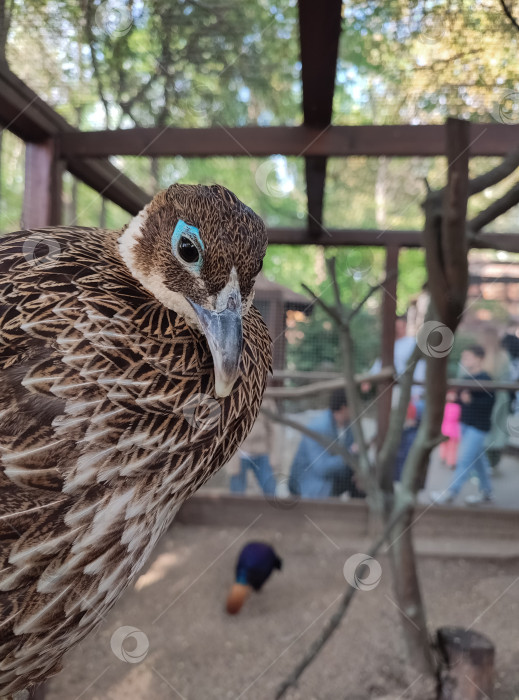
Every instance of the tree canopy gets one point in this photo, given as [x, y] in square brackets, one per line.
[123, 63]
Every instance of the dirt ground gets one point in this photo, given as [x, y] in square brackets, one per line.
[190, 649]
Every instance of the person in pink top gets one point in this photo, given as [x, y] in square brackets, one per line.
[451, 429]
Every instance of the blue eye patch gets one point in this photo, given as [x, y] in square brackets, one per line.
[184, 235]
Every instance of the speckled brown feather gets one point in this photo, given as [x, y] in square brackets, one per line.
[102, 427]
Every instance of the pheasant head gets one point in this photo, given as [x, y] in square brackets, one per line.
[198, 250]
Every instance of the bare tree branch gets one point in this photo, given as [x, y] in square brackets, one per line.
[297, 392]
[497, 208]
[328, 309]
[453, 235]
[374, 288]
[387, 455]
[492, 177]
[336, 618]
[508, 13]
[337, 315]
[349, 378]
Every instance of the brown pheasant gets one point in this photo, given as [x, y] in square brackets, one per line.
[132, 365]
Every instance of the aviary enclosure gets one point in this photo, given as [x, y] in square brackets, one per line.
[379, 142]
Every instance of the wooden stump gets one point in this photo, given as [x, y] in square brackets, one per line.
[468, 665]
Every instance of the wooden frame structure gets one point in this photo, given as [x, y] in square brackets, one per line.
[54, 145]
[30, 118]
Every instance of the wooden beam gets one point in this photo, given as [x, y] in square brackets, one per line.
[315, 175]
[506, 279]
[393, 141]
[387, 343]
[110, 182]
[43, 186]
[319, 31]
[374, 237]
[30, 118]
[24, 113]
[338, 237]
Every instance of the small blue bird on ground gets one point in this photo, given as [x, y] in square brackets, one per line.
[255, 564]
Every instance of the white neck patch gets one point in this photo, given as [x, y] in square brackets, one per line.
[153, 283]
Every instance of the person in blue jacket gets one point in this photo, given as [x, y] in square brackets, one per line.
[315, 472]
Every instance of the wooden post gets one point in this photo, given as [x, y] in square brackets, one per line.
[388, 339]
[43, 185]
[468, 670]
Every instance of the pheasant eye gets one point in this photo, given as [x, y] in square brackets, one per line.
[187, 245]
[188, 250]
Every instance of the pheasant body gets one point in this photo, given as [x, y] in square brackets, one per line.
[256, 562]
[110, 411]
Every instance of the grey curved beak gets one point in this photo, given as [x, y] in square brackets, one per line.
[224, 334]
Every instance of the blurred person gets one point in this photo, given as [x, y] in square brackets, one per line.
[403, 349]
[510, 343]
[498, 365]
[451, 429]
[315, 472]
[256, 455]
[476, 412]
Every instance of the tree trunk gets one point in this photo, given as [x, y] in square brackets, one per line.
[447, 269]
[408, 594]
[468, 664]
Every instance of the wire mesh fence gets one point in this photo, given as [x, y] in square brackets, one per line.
[482, 406]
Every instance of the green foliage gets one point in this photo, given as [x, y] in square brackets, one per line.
[411, 276]
[413, 62]
[11, 182]
[292, 266]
